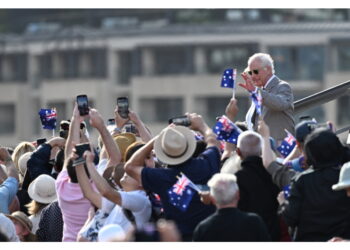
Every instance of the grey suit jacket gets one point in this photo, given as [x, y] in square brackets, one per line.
[278, 108]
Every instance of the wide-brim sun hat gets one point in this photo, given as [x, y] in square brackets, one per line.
[344, 178]
[175, 145]
[22, 218]
[43, 189]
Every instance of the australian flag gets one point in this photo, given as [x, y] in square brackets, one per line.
[287, 145]
[180, 195]
[48, 118]
[228, 78]
[226, 130]
[257, 99]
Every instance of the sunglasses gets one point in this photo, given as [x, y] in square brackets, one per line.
[255, 71]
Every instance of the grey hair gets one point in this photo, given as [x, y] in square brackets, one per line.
[249, 143]
[264, 58]
[223, 187]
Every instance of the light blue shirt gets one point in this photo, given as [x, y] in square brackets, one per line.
[8, 190]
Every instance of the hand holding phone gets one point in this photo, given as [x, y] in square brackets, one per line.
[83, 105]
[79, 150]
[123, 107]
[180, 120]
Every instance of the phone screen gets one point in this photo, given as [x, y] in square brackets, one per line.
[83, 104]
[123, 107]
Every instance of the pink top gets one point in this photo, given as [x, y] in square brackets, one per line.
[73, 205]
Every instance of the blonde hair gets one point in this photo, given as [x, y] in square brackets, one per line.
[35, 207]
[20, 150]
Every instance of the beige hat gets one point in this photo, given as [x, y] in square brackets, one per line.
[123, 141]
[43, 189]
[344, 178]
[21, 218]
[22, 162]
[175, 145]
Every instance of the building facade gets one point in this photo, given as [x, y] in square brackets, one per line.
[165, 71]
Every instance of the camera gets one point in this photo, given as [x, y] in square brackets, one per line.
[180, 120]
[79, 150]
[64, 128]
[130, 128]
[40, 141]
[123, 107]
[83, 105]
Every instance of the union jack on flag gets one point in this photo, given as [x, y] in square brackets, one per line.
[48, 118]
[257, 99]
[287, 144]
[181, 193]
[226, 130]
[228, 78]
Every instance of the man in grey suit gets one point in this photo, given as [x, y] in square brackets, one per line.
[277, 96]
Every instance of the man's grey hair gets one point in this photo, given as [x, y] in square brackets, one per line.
[265, 59]
[249, 143]
[223, 187]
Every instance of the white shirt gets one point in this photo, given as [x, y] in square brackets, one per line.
[136, 201]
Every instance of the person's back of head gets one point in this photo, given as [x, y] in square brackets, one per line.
[323, 149]
[224, 189]
[249, 143]
[303, 129]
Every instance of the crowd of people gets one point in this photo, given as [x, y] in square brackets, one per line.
[182, 184]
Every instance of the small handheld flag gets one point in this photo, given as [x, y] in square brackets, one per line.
[181, 193]
[48, 118]
[226, 130]
[228, 78]
[287, 144]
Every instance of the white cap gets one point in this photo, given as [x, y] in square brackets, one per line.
[111, 232]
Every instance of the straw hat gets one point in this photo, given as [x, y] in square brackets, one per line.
[123, 141]
[43, 189]
[344, 178]
[22, 218]
[175, 145]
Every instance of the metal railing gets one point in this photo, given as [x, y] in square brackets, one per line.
[323, 97]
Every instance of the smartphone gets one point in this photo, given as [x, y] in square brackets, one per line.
[180, 120]
[79, 150]
[83, 104]
[348, 139]
[130, 128]
[40, 141]
[123, 107]
[111, 122]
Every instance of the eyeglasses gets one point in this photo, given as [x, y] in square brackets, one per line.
[255, 71]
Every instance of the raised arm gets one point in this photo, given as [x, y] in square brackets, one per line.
[85, 185]
[111, 147]
[143, 131]
[133, 167]
[103, 187]
[198, 124]
[74, 132]
[268, 155]
[10, 165]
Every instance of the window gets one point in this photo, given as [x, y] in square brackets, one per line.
[221, 57]
[70, 64]
[344, 57]
[299, 63]
[45, 65]
[98, 62]
[343, 110]
[173, 60]
[160, 109]
[125, 67]
[7, 121]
